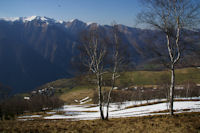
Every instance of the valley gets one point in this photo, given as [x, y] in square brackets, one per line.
[85, 66]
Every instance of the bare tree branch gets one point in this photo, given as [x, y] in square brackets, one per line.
[171, 17]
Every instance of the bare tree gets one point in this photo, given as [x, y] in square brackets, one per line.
[99, 54]
[116, 62]
[171, 17]
[93, 54]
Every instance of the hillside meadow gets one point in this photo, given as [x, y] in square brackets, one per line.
[84, 85]
[184, 123]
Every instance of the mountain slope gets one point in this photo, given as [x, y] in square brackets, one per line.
[21, 67]
[35, 50]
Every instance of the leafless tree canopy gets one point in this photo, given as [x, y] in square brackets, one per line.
[92, 56]
[102, 55]
[93, 51]
[162, 14]
[171, 17]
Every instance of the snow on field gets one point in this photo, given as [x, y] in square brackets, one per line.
[91, 111]
[30, 116]
[84, 100]
[85, 113]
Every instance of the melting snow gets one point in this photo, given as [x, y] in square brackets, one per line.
[86, 98]
[89, 112]
[116, 110]
[30, 116]
[86, 101]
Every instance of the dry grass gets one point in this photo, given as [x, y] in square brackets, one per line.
[79, 93]
[167, 111]
[91, 106]
[187, 100]
[181, 123]
[76, 95]
[164, 111]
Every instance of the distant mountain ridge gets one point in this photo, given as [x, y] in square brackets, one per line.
[35, 50]
[31, 18]
[44, 19]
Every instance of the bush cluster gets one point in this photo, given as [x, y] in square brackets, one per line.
[14, 106]
[142, 93]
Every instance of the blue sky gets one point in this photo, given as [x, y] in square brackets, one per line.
[100, 11]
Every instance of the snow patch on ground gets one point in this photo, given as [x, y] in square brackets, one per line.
[117, 110]
[84, 100]
[50, 112]
[30, 116]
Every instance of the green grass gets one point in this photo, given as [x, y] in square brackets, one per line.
[158, 77]
[69, 89]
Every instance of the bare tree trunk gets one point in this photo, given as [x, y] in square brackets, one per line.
[108, 103]
[100, 96]
[117, 62]
[109, 95]
[172, 90]
[187, 90]
[94, 51]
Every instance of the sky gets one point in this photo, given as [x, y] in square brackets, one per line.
[99, 11]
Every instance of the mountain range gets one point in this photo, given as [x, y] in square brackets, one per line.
[35, 50]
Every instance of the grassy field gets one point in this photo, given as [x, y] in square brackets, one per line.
[77, 94]
[181, 123]
[83, 86]
[158, 77]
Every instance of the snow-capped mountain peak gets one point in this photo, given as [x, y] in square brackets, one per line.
[76, 21]
[12, 19]
[29, 18]
[60, 21]
[46, 20]
[40, 18]
[71, 20]
[89, 23]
